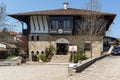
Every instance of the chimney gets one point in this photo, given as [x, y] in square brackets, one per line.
[66, 5]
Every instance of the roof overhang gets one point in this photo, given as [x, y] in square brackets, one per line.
[61, 12]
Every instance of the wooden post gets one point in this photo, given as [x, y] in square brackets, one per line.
[72, 56]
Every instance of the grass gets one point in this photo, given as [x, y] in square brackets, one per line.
[10, 57]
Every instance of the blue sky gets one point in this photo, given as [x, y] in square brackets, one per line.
[18, 6]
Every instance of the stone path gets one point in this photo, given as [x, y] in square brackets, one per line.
[34, 72]
[105, 69]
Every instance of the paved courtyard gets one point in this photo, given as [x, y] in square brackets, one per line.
[34, 72]
[105, 69]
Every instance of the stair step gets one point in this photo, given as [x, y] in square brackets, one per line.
[60, 59]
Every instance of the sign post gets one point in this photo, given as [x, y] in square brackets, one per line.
[73, 49]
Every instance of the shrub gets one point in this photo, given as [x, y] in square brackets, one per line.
[10, 57]
[79, 56]
[47, 55]
[51, 47]
[43, 57]
[102, 52]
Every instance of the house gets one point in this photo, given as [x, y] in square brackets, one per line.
[108, 42]
[8, 43]
[57, 27]
[13, 34]
[3, 51]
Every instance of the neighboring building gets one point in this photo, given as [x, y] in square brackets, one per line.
[56, 27]
[3, 51]
[2, 45]
[13, 34]
[108, 42]
[7, 49]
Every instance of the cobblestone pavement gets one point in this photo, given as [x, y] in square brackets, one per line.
[105, 69]
[34, 72]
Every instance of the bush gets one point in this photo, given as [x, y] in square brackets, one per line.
[51, 47]
[79, 56]
[47, 55]
[10, 57]
[102, 52]
[45, 58]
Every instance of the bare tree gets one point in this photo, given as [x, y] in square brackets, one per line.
[92, 25]
[2, 14]
[93, 5]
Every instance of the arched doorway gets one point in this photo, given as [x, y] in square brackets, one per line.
[62, 46]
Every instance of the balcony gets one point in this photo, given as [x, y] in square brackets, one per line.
[60, 28]
[60, 31]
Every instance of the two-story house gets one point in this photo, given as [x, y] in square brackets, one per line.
[56, 27]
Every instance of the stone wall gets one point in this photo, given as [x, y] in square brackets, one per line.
[45, 40]
[38, 46]
[45, 37]
[97, 48]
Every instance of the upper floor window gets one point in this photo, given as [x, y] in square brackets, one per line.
[54, 25]
[66, 24]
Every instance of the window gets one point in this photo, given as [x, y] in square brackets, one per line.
[66, 24]
[37, 38]
[37, 53]
[32, 52]
[87, 46]
[54, 25]
[32, 38]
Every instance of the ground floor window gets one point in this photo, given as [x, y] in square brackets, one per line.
[87, 46]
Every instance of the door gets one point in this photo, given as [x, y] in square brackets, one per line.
[62, 49]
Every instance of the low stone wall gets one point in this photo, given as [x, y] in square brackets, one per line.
[12, 62]
[80, 67]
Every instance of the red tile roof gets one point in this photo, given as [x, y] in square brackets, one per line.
[12, 33]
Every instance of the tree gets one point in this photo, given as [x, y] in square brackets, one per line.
[2, 14]
[23, 44]
[92, 25]
[5, 29]
[93, 5]
[4, 35]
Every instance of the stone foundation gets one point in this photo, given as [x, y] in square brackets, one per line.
[45, 40]
[38, 46]
[97, 48]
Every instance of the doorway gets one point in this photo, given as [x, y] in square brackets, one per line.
[62, 49]
[62, 46]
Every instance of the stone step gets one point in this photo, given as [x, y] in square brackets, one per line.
[60, 59]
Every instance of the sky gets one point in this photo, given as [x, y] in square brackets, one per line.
[19, 6]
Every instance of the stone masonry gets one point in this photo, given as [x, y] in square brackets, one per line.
[45, 40]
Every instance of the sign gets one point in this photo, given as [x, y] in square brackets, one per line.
[73, 48]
